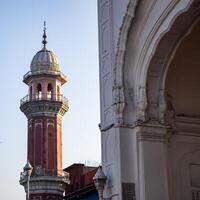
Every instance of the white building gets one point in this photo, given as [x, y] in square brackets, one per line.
[150, 98]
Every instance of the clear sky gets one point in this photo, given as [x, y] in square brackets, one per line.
[72, 36]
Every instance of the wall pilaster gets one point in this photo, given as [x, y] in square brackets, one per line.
[152, 141]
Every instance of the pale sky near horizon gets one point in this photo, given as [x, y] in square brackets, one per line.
[72, 34]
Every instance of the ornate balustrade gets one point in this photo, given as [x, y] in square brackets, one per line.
[40, 172]
[43, 96]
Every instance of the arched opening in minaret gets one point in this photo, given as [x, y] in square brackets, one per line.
[49, 91]
[30, 93]
[39, 91]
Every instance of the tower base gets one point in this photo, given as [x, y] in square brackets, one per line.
[45, 187]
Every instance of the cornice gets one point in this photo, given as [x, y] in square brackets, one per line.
[44, 108]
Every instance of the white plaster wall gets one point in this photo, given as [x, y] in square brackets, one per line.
[119, 146]
[110, 18]
[184, 150]
[122, 155]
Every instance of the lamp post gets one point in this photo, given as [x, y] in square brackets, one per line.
[100, 182]
[28, 171]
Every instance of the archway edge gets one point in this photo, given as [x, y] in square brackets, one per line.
[118, 86]
[159, 29]
[122, 40]
[153, 68]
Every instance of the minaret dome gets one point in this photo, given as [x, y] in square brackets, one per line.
[44, 63]
[44, 60]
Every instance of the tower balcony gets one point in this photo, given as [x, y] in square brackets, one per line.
[45, 172]
[44, 97]
[43, 104]
[45, 182]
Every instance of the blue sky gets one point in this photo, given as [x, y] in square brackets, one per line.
[72, 36]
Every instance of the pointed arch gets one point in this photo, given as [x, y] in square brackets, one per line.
[49, 91]
[153, 74]
[39, 91]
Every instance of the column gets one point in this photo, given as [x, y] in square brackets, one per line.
[152, 162]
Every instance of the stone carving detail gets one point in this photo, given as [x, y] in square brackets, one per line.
[169, 114]
[118, 88]
[118, 104]
[38, 108]
[141, 104]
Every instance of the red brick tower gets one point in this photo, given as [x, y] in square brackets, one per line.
[44, 108]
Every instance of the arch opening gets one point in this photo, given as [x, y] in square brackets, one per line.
[49, 91]
[173, 90]
[182, 83]
[39, 91]
[157, 98]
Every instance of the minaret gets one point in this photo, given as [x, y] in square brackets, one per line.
[44, 107]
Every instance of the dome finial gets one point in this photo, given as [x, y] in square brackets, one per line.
[44, 42]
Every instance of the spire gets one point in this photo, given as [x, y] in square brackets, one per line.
[44, 42]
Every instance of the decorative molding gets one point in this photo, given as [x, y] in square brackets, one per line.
[106, 58]
[187, 125]
[118, 88]
[44, 108]
[45, 184]
[141, 105]
[105, 45]
[153, 132]
[119, 103]
[142, 79]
